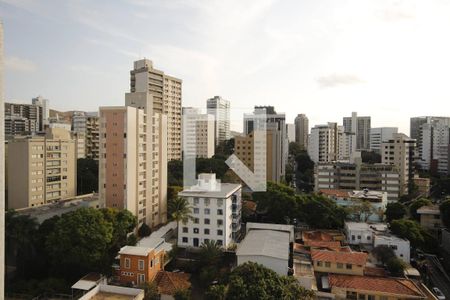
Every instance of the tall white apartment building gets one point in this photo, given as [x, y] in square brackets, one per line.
[198, 133]
[290, 129]
[220, 109]
[41, 169]
[400, 151]
[302, 130]
[216, 212]
[40, 101]
[2, 172]
[380, 135]
[167, 96]
[361, 127]
[434, 151]
[133, 159]
[323, 143]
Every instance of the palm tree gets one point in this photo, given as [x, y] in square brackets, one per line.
[211, 252]
[179, 210]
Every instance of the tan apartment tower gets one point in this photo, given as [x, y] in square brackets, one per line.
[166, 92]
[302, 130]
[400, 151]
[41, 169]
[133, 159]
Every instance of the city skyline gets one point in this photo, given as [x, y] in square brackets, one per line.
[256, 53]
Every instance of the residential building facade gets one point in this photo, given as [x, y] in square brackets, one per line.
[290, 129]
[133, 161]
[360, 126]
[380, 135]
[87, 124]
[323, 143]
[198, 133]
[22, 119]
[220, 109]
[44, 103]
[167, 96]
[216, 212]
[43, 167]
[400, 151]
[339, 262]
[302, 130]
[358, 176]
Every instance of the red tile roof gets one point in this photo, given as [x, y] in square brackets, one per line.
[355, 258]
[397, 286]
[334, 245]
[334, 192]
[374, 271]
[322, 235]
[168, 283]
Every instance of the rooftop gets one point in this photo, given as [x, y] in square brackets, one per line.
[389, 237]
[168, 283]
[368, 195]
[396, 286]
[322, 235]
[222, 190]
[361, 226]
[429, 210]
[355, 258]
[111, 292]
[265, 243]
[334, 192]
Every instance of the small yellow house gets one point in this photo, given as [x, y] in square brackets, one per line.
[339, 262]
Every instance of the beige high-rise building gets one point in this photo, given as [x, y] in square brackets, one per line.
[302, 130]
[400, 151]
[198, 133]
[88, 125]
[166, 92]
[43, 167]
[323, 144]
[133, 159]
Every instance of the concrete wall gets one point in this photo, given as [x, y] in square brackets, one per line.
[276, 264]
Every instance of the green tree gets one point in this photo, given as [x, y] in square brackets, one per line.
[216, 292]
[150, 291]
[79, 242]
[415, 205]
[417, 236]
[210, 253]
[172, 192]
[144, 230]
[363, 210]
[396, 266]
[395, 211]
[383, 253]
[179, 210]
[295, 149]
[182, 294]
[87, 176]
[304, 172]
[445, 213]
[225, 149]
[253, 281]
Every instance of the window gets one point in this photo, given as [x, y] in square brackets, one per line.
[185, 230]
[371, 297]
[327, 264]
[196, 211]
[351, 295]
[348, 266]
[361, 297]
[196, 230]
[340, 266]
[319, 263]
[207, 211]
[219, 222]
[394, 247]
[207, 201]
[141, 264]
[219, 202]
[196, 220]
[206, 231]
[196, 201]
[359, 237]
[219, 242]
[383, 298]
[353, 237]
[127, 263]
[219, 232]
[185, 239]
[141, 278]
[206, 221]
[220, 212]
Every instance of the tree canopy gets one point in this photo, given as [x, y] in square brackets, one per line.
[415, 205]
[445, 213]
[253, 281]
[417, 236]
[395, 211]
[87, 176]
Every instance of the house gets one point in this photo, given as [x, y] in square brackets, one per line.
[373, 288]
[141, 263]
[322, 236]
[104, 291]
[400, 246]
[267, 244]
[378, 201]
[430, 217]
[216, 213]
[339, 262]
[362, 233]
[169, 283]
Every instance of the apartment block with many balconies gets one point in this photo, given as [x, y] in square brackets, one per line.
[41, 169]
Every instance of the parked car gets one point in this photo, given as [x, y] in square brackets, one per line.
[438, 293]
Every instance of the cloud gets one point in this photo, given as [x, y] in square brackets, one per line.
[18, 64]
[334, 80]
[397, 10]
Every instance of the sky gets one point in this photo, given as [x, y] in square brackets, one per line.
[324, 58]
